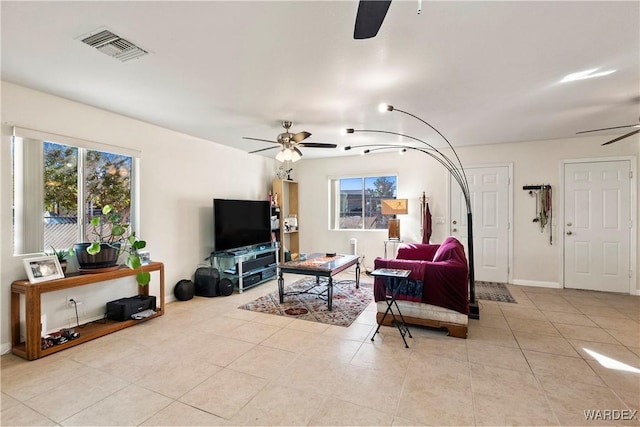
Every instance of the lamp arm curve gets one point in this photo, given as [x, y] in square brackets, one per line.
[452, 169]
[454, 172]
[439, 133]
[452, 166]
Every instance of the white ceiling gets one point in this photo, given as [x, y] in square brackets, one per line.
[481, 72]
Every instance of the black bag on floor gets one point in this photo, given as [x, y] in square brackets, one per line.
[206, 282]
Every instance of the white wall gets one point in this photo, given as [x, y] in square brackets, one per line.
[536, 162]
[180, 176]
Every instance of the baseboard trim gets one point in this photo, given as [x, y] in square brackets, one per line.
[5, 348]
[537, 284]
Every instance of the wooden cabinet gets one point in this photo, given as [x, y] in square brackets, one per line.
[287, 195]
[31, 348]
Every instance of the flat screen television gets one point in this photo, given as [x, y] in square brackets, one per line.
[241, 223]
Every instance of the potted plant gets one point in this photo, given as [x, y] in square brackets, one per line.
[62, 255]
[113, 238]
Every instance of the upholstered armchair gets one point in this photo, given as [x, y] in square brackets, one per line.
[437, 291]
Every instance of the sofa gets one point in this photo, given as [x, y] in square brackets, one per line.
[436, 293]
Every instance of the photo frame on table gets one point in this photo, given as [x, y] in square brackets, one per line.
[145, 257]
[43, 268]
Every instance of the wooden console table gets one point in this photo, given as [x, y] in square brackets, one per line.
[31, 348]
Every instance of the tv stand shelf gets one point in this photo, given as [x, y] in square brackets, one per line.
[31, 347]
[247, 268]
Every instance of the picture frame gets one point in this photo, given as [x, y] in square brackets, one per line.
[145, 257]
[43, 268]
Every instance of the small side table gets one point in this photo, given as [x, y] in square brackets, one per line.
[396, 277]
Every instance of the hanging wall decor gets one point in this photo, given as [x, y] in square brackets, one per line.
[543, 213]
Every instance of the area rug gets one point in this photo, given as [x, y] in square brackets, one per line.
[348, 302]
[493, 291]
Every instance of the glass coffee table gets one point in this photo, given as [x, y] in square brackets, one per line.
[319, 265]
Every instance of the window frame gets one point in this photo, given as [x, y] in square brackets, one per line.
[334, 199]
[28, 192]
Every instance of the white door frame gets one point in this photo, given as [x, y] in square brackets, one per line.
[633, 201]
[509, 166]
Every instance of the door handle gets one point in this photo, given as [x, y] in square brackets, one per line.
[569, 233]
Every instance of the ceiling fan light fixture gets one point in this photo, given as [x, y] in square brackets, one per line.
[280, 156]
[289, 155]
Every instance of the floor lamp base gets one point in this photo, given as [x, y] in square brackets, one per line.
[474, 310]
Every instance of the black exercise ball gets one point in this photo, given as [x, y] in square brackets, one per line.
[184, 290]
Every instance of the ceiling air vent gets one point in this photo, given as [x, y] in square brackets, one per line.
[115, 46]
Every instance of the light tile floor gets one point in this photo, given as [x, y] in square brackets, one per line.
[543, 361]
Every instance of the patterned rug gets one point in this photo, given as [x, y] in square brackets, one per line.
[492, 291]
[348, 302]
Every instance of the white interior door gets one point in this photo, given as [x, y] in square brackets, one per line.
[489, 191]
[597, 225]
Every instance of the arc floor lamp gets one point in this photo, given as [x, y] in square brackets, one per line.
[454, 168]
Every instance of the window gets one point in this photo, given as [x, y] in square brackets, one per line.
[356, 202]
[60, 195]
[60, 185]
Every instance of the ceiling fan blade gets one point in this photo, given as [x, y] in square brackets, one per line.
[369, 18]
[621, 137]
[258, 139]
[316, 145]
[596, 130]
[301, 136]
[262, 149]
[297, 151]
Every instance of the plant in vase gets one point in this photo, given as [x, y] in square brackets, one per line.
[113, 238]
[62, 255]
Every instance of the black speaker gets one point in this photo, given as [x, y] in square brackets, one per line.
[206, 282]
[184, 290]
[225, 287]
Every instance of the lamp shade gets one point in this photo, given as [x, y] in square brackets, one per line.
[395, 206]
[289, 154]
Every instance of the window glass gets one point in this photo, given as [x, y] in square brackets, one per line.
[351, 203]
[108, 182]
[58, 187]
[356, 201]
[60, 196]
